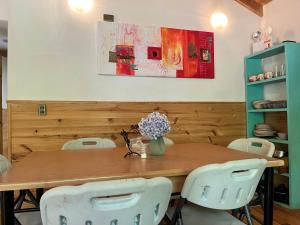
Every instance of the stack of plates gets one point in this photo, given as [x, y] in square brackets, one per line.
[264, 130]
[259, 104]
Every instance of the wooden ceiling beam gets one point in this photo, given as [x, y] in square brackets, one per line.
[252, 5]
[263, 2]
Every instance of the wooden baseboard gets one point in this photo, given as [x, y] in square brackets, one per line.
[214, 122]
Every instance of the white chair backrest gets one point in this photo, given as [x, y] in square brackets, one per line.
[224, 186]
[4, 164]
[168, 141]
[89, 143]
[119, 202]
[253, 145]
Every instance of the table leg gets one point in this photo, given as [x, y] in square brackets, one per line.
[269, 196]
[7, 208]
[39, 193]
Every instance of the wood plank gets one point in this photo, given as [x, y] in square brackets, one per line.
[254, 6]
[209, 122]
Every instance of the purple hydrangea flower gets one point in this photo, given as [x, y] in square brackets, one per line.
[155, 125]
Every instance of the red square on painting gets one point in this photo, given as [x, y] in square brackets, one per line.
[154, 53]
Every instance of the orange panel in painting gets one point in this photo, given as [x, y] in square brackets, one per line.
[191, 54]
[125, 60]
[172, 48]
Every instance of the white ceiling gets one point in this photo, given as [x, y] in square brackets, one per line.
[3, 34]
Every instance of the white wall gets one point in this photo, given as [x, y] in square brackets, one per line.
[4, 82]
[3, 9]
[284, 17]
[52, 51]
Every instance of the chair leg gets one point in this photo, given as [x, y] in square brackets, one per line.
[248, 215]
[180, 219]
[177, 212]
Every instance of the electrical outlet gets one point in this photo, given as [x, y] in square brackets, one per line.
[42, 110]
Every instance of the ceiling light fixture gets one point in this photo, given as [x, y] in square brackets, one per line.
[219, 20]
[81, 6]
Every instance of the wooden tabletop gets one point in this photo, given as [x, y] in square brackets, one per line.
[57, 168]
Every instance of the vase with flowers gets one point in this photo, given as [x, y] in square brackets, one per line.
[155, 126]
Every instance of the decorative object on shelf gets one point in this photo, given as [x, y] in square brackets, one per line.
[252, 78]
[289, 41]
[268, 38]
[282, 136]
[258, 44]
[259, 104]
[154, 127]
[260, 77]
[279, 154]
[268, 75]
[282, 71]
[263, 130]
[125, 135]
[134, 50]
[276, 71]
[266, 104]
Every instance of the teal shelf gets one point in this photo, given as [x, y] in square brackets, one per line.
[268, 81]
[267, 110]
[278, 141]
[254, 64]
[275, 50]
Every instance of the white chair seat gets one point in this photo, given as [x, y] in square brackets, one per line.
[29, 218]
[197, 215]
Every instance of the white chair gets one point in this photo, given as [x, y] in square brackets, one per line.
[120, 202]
[4, 164]
[212, 189]
[257, 146]
[253, 145]
[89, 143]
[168, 141]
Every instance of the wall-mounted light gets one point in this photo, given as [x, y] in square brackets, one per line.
[81, 6]
[219, 20]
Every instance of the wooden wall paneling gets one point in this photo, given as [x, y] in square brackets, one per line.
[217, 123]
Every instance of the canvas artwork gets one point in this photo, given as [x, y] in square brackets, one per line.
[133, 50]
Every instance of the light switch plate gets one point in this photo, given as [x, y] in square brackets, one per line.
[42, 109]
[108, 18]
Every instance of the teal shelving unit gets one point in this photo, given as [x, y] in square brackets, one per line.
[255, 91]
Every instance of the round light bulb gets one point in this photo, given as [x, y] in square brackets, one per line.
[219, 20]
[81, 6]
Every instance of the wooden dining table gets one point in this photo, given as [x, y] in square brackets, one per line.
[48, 169]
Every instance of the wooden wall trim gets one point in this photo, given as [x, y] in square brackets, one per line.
[213, 122]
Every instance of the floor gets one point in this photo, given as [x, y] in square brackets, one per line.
[282, 216]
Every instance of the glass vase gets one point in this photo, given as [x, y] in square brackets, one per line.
[157, 147]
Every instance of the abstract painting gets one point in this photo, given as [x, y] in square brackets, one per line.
[134, 50]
